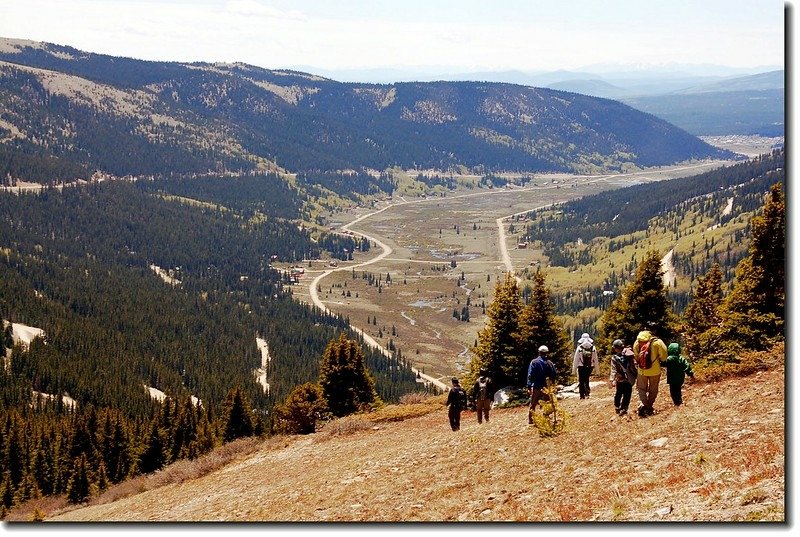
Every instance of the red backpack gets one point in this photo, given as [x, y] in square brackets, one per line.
[644, 361]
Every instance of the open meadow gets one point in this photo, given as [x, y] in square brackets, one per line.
[423, 286]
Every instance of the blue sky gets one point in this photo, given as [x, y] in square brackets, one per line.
[533, 35]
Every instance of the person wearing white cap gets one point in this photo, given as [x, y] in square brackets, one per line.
[584, 363]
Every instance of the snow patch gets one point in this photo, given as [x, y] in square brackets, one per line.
[23, 334]
[261, 372]
[65, 398]
[165, 275]
[728, 207]
[669, 268]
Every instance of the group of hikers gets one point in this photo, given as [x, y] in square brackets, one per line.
[637, 365]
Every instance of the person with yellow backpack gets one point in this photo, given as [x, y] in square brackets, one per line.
[648, 351]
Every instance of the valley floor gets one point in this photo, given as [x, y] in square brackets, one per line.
[720, 457]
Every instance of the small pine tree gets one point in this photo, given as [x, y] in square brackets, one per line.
[703, 311]
[79, 487]
[497, 349]
[344, 379]
[752, 315]
[303, 408]
[238, 416]
[643, 304]
[553, 419]
[539, 325]
[154, 455]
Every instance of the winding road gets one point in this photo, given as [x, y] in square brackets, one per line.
[504, 255]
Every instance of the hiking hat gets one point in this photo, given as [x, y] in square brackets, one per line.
[618, 344]
[544, 348]
[455, 381]
[587, 344]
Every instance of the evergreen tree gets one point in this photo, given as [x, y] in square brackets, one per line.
[301, 411]
[79, 487]
[343, 377]
[753, 312]
[539, 325]
[643, 305]
[238, 416]
[703, 311]
[154, 456]
[497, 351]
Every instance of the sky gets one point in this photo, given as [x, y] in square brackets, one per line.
[448, 35]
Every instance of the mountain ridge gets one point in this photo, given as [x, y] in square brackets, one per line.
[257, 118]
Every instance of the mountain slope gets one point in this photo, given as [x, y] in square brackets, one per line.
[128, 116]
[743, 105]
[719, 457]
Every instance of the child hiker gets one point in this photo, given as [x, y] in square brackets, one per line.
[677, 369]
[623, 375]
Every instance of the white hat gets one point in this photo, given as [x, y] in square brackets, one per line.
[544, 348]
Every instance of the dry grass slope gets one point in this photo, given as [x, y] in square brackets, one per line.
[722, 459]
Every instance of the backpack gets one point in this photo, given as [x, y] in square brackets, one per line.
[462, 399]
[644, 360]
[482, 389]
[586, 356]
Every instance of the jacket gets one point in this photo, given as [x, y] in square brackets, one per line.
[577, 359]
[658, 353]
[476, 389]
[677, 366]
[623, 367]
[539, 370]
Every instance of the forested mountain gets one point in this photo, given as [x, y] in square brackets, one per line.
[701, 220]
[64, 108]
[77, 264]
[745, 105]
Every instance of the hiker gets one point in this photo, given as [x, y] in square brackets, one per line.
[584, 363]
[649, 351]
[623, 375]
[677, 368]
[456, 402]
[539, 370]
[483, 395]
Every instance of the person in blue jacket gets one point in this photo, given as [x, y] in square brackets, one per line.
[539, 370]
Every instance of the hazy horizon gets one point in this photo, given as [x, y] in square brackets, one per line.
[447, 36]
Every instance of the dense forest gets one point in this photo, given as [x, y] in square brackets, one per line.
[78, 263]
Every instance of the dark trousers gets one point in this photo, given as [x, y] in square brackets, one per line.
[675, 393]
[583, 381]
[622, 397]
[455, 418]
[482, 407]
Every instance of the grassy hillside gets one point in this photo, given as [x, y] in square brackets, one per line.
[590, 247]
[704, 461]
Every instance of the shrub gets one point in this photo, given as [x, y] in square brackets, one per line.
[553, 419]
[719, 366]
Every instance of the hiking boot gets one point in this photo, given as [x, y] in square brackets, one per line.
[649, 410]
[642, 411]
[622, 412]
